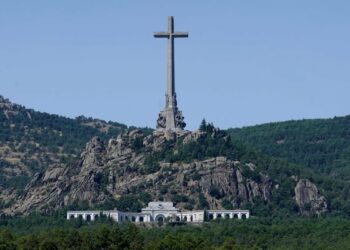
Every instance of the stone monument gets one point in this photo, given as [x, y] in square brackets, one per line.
[170, 119]
[160, 211]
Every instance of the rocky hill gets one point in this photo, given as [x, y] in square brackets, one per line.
[107, 165]
[106, 172]
[32, 141]
[142, 167]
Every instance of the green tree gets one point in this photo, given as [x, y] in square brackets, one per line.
[48, 244]
[7, 240]
[133, 237]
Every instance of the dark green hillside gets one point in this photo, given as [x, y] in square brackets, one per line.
[320, 144]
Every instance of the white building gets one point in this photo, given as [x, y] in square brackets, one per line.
[161, 212]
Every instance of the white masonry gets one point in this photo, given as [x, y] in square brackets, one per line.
[161, 212]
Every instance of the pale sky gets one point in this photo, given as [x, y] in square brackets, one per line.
[244, 63]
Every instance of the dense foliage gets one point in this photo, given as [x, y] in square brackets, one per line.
[38, 232]
[53, 133]
[212, 142]
[320, 144]
[316, 149]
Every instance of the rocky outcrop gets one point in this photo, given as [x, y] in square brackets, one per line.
[85, 185]
[62, 185]
[308, 197]
[194, 136]
[227, 178]
[10, 109]
[44, 192]
[106, 171]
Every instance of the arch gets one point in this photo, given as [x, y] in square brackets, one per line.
[88, 217]
[80, 216]
[177, 218]
[126, 217]
[227, 216]
[141, 219]
[219, 216]
[191, 218]
[71, 216]
[235, 216]
[244, 216]
[133, 219]
[185, 218]
[160, 218]
[211, 216]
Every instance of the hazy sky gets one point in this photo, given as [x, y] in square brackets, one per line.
[244, 63]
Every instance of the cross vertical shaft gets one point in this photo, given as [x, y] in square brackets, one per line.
[171, 59]
[171, 118]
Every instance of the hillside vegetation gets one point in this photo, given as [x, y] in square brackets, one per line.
[31, 141]
[320, 147]
[320, 144]
[47, 159]
[293, 177]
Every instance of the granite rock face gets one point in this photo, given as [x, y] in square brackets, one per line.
[43, 192]
[83, 186]
[109, 170]
[37, 146]
[308, 197]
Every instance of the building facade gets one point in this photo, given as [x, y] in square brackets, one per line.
[161, 212]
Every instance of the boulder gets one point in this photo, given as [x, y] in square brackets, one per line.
[308, 197]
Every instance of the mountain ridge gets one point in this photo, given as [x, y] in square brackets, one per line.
[247, 176]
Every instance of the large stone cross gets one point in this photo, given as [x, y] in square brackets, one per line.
[171, 118]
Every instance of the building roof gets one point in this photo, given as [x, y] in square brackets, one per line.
[160, 205]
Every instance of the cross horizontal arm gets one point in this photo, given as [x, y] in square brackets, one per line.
[161, 34]
[180, 34]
